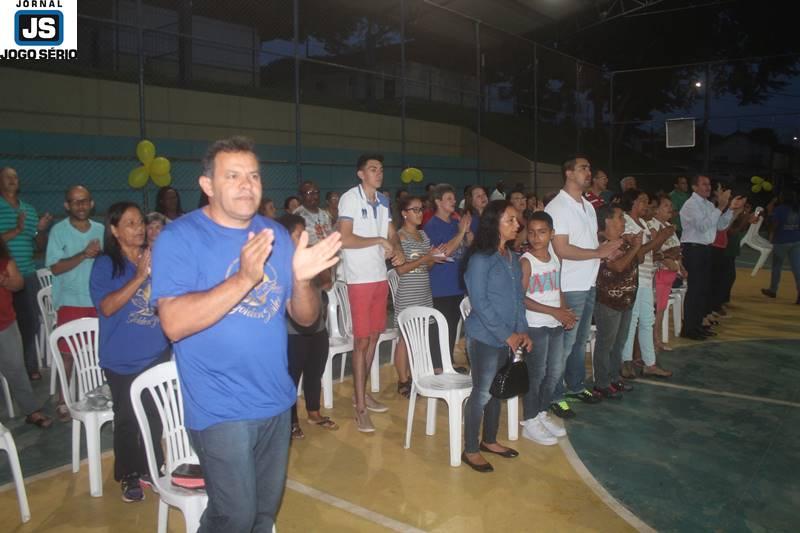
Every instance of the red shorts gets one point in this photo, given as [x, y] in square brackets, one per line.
[368, 307]
[68, 313]
[664, 279]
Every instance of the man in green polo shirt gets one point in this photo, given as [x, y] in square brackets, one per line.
[23, 231]
[679, 195]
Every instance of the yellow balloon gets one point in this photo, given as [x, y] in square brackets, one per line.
[755, 180]
[767, 186]
[162, 180]
[411, 174]
[160, 166]
[756, 188]
[138, 177]
[145, 151]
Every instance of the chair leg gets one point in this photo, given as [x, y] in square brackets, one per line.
[76, 446]
[394, 347]
[327, 384]
[761, 260]
[677, 307]
[412, 401]
[344, 363]
[52, 367]
[665, 323]
[7, 395]
[163, 516]
[513, 417]
[430, 424]
[454, 414]
[19, 481]
[375, 370]
[93, 454]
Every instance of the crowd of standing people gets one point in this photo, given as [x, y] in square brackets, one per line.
[233, 278]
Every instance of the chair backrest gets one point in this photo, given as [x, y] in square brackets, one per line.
[394, 279]
[465, 307]
[752, 231]
[162, 384]
[345, 319]
[415, 323]
[45, 277]
[81, 337]
[45, 300]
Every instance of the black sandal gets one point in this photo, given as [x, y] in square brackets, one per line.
[404, 388]
[42, 421]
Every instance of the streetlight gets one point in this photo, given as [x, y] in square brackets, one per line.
[698, 84]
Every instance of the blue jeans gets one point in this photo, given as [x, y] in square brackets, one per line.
[643, 318]
[582, 304]
[244, 465]
[779, 252]
[485, 361]
[545, 367]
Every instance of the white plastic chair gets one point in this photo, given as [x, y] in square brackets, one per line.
[450, 386]
[45, 278]
[162, 383]
[340, 341]
[389, 334]
[7, 444]
[465, 308]
[757, 243]
[7, 394]
[512, 404]
[82, 336]
[48, 315]
[674, 306]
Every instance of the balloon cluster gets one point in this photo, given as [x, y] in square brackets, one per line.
[760, 184]
[411, 174]
[156, 168]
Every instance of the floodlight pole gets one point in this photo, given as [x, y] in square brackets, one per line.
[536, 119]
[479, 102]
[611, 127]
[706, 109]
[140, 51]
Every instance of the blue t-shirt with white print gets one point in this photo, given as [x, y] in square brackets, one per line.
[130, 339]
[237, 368]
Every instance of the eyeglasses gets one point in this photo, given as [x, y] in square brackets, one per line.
[414, 209]
[312, 192]
[81, 201]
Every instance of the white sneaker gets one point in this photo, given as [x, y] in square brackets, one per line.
[525, 422]
[551, 425]
[536, 432]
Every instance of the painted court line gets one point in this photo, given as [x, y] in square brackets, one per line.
[719, 393]
[606, 497]
[366, 514]
[54, 471]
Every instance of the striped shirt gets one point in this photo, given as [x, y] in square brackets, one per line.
[647, 268]
[414, 287]
[23, 245]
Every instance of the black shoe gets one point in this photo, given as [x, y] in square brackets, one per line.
[510, 453]
[770, 294]
[476, 467]
[695, 336]
[622, 386]
[562, 410]
[585, 396]
[708, 333]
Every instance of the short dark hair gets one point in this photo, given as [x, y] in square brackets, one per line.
[289, 199]
[403, 203]
[72, 188]
[440, 190]
[629, 198]
[605, 212]
[363, 158]
[400, 191]
[543, 217]
[290, 221]
[569, 164]
[231, 145]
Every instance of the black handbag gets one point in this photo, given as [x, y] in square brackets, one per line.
[512, 379]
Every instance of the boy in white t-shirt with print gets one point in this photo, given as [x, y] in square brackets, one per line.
[548, 316]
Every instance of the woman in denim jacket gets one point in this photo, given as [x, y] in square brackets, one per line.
[495, 325]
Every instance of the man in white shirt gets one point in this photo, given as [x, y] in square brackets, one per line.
[576, 244]
[700, 221]
[368, 239]
[499, 192]
[318, 221]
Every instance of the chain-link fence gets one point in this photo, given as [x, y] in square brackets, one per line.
[426, 86]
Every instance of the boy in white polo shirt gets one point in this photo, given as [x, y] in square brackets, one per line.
[576, 244]
[368, 239]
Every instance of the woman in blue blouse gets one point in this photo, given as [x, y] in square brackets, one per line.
[495, 325]
[131, 339]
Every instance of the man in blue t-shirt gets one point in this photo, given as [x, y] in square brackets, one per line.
[223, 278]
